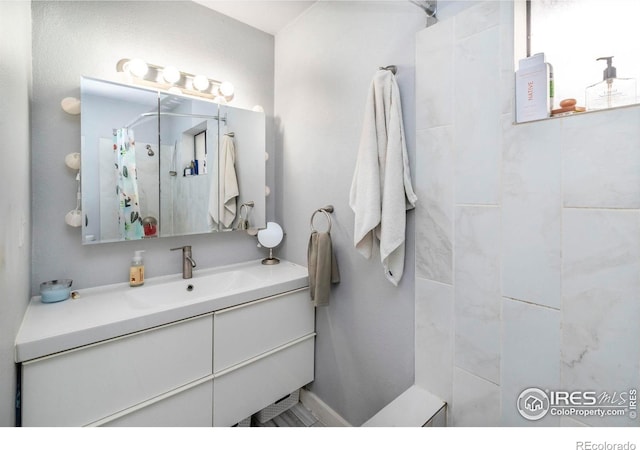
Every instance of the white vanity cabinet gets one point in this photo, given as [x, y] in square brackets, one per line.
[213, 369]
[81, 386]
[188, 407]
[262, 351]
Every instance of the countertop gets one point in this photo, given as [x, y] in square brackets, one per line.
[110, 311]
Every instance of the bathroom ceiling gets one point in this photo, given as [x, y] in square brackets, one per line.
[269, 16]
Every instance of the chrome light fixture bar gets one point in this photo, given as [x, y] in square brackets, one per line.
[172, 80]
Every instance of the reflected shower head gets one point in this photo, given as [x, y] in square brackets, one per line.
[429, 7]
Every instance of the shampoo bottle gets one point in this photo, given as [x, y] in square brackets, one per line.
[534, 88]
[611, 91]
[136, 271]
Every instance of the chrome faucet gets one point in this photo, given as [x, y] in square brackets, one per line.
[187, 261]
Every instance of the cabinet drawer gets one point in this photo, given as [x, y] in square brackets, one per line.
[189, 408]
[81, 386]
[248, 330]
[245, 390]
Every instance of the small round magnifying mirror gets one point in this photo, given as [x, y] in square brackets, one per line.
[270, 238]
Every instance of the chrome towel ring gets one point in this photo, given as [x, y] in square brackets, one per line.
[325, 210]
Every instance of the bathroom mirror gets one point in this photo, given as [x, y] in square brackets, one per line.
[157, 165]
[270, 237]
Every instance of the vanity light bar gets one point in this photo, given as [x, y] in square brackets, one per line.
[173, 80]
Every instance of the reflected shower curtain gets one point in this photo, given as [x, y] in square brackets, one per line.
[130, 222]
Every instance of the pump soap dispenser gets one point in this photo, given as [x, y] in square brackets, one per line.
[611, 91]
[136, 271]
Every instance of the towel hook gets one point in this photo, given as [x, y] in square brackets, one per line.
[243, 222]
[392, 69]
[325, 210]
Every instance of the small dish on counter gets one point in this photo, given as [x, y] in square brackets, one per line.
[55, 290]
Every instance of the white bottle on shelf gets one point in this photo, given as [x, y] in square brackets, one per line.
[534, 88]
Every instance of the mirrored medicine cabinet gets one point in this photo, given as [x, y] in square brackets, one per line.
[156, 164]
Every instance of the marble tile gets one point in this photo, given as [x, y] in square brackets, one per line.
[532, 212]
[601, 304]
[476, 401]
[530, 356]
[434, 86]
[434, 338]
[477, 118]
[477, 290]
[507, 65]
[434, 210]
[601, 161]
[477, 19]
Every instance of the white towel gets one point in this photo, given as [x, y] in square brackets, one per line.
[228, 185]
[381, 190]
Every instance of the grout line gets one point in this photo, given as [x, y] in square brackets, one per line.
[530, 302]
[434, 281]
[476, 375]
[600, 208]
[478, 205]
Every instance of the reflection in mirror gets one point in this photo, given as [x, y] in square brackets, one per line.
[239, 135]
[107, 110]
[151, 165]
[188, 146]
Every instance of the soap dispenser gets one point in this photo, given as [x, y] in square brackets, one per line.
[136, 271]
[611, 91]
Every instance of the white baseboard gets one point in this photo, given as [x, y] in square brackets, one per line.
[321, 410]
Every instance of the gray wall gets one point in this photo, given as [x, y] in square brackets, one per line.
[15, 239]
[325, 61]
[71, 39]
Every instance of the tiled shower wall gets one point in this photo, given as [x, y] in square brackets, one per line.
[527, 235]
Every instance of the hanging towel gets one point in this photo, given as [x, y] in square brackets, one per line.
[228, 185]
[323, 267]
[381, 190]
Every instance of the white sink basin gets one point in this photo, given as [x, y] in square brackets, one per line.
[208, 286]
[105, 312]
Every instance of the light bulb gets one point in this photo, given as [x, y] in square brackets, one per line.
[73, 218]
[72, 160]
[200, 82]
[71, 105]
[171, 74]
[138, 67]
[226, 88]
